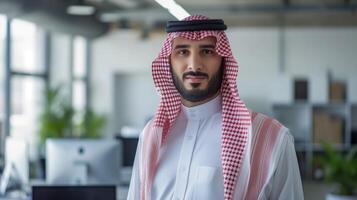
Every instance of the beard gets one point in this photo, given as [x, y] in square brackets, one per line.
[196, 94]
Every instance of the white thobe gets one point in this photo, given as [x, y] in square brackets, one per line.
[190, 164]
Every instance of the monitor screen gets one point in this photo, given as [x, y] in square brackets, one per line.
[73, 192]
[83, 161]
[129, 145]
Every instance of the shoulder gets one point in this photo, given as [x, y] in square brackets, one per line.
[259, 119]
[264, 122]
[266, 126]
[144, 131]
[270, 138]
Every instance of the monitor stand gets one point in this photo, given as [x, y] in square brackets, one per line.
[9, 177]
[81, 173]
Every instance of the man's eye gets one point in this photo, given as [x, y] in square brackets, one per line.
[207, 51]
[182, 52]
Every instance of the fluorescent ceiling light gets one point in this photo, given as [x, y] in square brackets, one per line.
[125, 3]
[175, 9]
[80, 10]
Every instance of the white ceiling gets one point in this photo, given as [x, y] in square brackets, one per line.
[146, 13]
[247, 12]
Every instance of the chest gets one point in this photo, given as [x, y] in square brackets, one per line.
[191, 159]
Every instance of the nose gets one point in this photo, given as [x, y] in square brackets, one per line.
[194, 63]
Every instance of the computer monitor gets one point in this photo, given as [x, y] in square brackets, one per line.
[46, 192]
[129, 145]
[16, 171]
[83, 161]
[128, 148]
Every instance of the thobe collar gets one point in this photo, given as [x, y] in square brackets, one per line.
[203, 111]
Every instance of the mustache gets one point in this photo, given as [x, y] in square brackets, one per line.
[191, 73]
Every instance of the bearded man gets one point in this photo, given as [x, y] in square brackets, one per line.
[204, 143]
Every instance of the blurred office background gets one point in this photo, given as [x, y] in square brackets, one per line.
[82, 69]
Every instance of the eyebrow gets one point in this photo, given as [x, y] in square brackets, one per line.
[183, 46]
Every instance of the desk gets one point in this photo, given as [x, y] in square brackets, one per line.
[121, 192]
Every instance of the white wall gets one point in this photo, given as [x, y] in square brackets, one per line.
[257, 53]
[309, 53]
[119, 52]
[312, 52]
[134, 93]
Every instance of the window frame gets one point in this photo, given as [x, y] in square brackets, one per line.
[45, 75]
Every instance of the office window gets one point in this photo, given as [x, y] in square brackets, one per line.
[27, 80]
[61, 70]
[2, 66]
[27, 47]
[79, 57]
[78, 102]
[79, 95]
[26, 105]
[79, 74]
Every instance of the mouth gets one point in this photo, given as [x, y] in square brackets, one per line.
[195, 79]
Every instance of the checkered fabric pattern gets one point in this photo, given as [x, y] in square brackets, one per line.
[235, 115]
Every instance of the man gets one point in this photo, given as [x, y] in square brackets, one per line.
[203, 143]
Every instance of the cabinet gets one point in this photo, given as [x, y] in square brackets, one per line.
[311, 123]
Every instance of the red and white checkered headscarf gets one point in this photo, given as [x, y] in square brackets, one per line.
[235, 116]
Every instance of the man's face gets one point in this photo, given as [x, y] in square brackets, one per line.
[196, 68]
